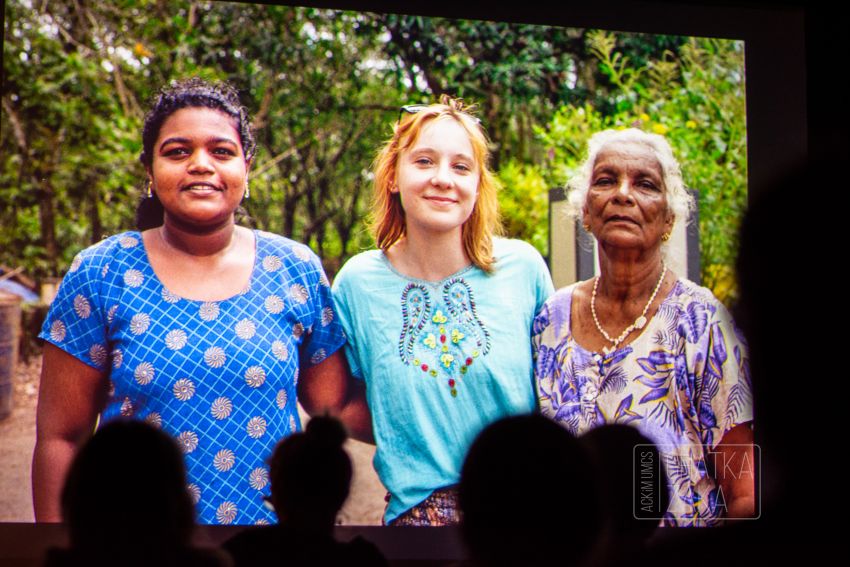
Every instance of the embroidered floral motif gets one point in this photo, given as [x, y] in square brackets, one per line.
[144, 373]
[256, 427]
[194, 492]
[224, 460]
[274, 304]
[57, 331]
[82, 307]
[279, 350]
[188, 441]
[176, 339]
[117, 358]
[184, 389]
[259, 478]
[442, 340]
[98, 354]
[221, 408]
[281, 399]
[226, 513]
[255, 376]
[133, 278]
[153, 418]
[140, 323]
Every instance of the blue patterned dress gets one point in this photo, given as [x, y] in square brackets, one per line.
[683, 382]
[220, 376]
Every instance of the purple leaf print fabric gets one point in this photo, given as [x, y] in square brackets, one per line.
[676, 382]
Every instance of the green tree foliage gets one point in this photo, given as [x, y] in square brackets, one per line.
[324, 88]
[695, 98]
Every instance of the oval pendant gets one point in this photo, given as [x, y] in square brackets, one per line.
[640, 322]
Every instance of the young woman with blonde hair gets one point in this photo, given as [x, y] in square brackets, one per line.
[438, 319]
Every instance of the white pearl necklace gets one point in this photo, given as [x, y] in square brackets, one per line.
[639, 323]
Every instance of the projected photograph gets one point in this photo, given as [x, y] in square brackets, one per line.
[391, 180]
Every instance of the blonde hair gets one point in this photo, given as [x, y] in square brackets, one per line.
[388, 220]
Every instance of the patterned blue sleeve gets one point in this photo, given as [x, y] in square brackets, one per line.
[325, 335]
[77, 320]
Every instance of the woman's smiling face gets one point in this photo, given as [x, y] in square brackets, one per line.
[626, 204]
[437, 178]
[199, 169]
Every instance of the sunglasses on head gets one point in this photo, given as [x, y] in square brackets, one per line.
[414, 108]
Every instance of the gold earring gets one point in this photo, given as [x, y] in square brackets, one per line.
[247, 191]
[665, 237]
[149, 192]
[586, 227]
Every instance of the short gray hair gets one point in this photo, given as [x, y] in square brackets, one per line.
[679, 201]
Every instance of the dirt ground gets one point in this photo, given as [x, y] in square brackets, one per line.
[364, 506]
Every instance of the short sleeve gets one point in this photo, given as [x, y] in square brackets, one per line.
[543, 281]
[76, 321]
[325, 336]
[341, 298]
[725, 399]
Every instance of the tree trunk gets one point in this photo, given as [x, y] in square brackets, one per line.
[47, 218]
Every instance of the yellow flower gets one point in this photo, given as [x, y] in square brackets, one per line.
[690, 124]
[439, 317]
[447, 360]
[644, 116]
[659, 129]
[457, 336]
[430, 341]
[141, 51]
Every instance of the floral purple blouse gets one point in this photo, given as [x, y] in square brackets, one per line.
[683, 382]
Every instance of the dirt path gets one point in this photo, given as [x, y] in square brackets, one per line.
[365, 505]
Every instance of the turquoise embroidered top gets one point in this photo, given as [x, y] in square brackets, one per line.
[441, 360]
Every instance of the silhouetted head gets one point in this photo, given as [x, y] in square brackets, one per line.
[622, 455]
[311, 475]
[781, 241]
[528, 495]
[126, 492]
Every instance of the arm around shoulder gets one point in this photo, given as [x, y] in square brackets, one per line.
[327, 388]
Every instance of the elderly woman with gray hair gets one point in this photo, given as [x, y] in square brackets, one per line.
[639, 345]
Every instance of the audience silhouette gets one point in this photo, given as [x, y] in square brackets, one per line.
[529, 495]
[635, 495]
[310, 480]
[125, 502]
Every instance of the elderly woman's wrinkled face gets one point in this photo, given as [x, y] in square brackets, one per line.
[626, 204]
